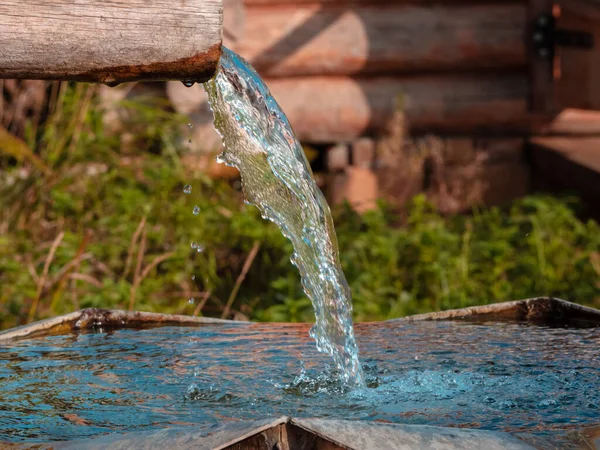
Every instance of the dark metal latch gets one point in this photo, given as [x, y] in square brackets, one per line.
[546, 37]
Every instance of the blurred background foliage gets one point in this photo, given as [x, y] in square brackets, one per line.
[86, 222]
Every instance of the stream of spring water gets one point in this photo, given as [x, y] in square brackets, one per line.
[277, 178]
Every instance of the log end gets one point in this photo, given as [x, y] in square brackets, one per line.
[198, 69]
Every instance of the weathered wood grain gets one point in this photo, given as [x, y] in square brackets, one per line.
[354, 3]
[398, 38]
[110, 41]
[334, 109]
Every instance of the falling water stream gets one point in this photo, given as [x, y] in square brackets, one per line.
[277, 178]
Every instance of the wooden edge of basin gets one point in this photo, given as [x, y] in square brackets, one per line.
[538, 310]
[90, 318]
[310, 433]
[545, 310]
[305, 434]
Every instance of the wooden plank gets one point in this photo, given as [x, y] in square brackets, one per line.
[578, 85]
[314, 40]
[334, 109]
[574, 122]
[110, 41]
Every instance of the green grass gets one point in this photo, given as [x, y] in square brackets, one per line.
[84, 223]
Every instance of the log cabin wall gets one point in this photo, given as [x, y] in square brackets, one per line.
[343, 71]
[340, 69]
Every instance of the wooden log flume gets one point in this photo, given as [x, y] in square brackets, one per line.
[110, 41]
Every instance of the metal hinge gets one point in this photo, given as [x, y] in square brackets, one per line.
[546, 37]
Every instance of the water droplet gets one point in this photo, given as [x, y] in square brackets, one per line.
[548, 402]
[188, 83]
[191, 300]
[193, 389]
[193, 277]
[196, 210]
[194, 244]
[200, 248]
[190, 124]
[187, 189]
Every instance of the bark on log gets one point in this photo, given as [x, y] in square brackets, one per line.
[110, 41]
[313, 40]
[334, 109]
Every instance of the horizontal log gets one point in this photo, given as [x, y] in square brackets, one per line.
[353, 3]
[334, 109]
[110, 41]
[312, 40]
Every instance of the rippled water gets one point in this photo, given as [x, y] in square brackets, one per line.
[277, 178]
[509, 377]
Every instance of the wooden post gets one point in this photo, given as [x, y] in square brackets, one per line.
[110, 41]
[541, 71]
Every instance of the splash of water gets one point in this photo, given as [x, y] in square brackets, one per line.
[277, 178]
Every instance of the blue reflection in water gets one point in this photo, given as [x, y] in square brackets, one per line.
[507, 377]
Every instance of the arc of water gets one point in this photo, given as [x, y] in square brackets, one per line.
[277, 178]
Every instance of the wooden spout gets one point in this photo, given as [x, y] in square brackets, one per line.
[110, 41]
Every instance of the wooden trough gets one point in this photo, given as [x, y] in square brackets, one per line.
[292, 433]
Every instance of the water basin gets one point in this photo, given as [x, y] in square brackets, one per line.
[536, 381]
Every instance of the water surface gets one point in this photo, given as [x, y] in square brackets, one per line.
[509, 377]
